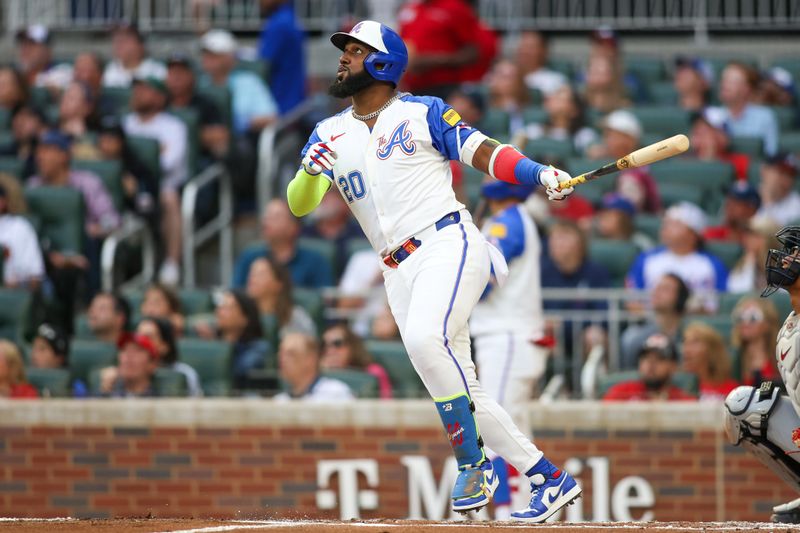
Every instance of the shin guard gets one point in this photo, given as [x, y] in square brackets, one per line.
[458, 416]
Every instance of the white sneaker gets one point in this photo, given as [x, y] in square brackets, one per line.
[169, 273]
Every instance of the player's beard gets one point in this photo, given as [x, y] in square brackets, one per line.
[351, 85]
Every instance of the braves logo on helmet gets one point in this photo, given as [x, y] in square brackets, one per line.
[400, 138]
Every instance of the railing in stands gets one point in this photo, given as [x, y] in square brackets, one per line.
[136, 232]
[221, 226]
[698, 16]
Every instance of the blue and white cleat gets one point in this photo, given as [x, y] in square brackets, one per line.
[474, 487]
[552, 490]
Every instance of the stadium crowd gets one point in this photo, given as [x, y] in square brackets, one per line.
[92, 141]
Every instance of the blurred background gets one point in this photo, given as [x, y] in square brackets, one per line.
[145, 147]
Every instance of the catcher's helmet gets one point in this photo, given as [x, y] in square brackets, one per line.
[778, 275]
[390, 59]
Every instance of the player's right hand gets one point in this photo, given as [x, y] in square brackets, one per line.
[319, 157]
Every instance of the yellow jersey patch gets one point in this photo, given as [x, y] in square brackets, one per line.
[452, 117]
[498, 230]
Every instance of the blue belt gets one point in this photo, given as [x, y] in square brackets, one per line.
[402, 252]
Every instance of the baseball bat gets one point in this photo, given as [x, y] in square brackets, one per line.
[652, 153]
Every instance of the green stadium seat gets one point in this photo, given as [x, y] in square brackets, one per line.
[59, 211]
[647, 69]
[722, 323]
[495, 123]
[119, 96]
[782, 303]
[81, 326]
[170, 383]
[663, 93]
[545, 148]
[7, 141]
[535, 97]
[362, 384]
[790, 142]
[15, 306]
[220, 96]
[713, 175]
[673, 193]
[650, 225]
[195, 301]
[616, 255]
[50, 382]
[191, 119]
[786, 117]
[269, 323]
[684, 380]
[323, 247]
[667, 120]
[110, 172]
[728, 300]
[212, 359]
[728, 252]
[753, 146]
[40, 97]
[534, 115]
[148, 151]
[591, 190]
[564, 66]
[5, 119]
[392, 356]
[86, 355]
[13, 166]
[311, 301]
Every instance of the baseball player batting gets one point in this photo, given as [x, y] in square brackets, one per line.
[508, 319]
[765, 423]
[388, 157]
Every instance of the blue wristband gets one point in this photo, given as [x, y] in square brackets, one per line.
[526, 171]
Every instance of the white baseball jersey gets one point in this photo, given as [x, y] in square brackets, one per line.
[391, 194]
[787, 350]
[517, 305]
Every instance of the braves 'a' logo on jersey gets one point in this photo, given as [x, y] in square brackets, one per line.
[400, 138]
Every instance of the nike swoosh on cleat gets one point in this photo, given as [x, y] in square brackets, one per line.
[334, 137]
[553, 496]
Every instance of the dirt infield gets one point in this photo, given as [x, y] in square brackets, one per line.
[366, 526]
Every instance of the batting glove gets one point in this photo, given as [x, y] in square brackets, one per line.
[319, 157]
[550, 178]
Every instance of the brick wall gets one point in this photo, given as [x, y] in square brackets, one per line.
[222, 458]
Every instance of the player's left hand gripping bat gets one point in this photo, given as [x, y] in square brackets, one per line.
[643, 156]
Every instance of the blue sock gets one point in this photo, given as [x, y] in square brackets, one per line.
[502, 495]
[545, 468]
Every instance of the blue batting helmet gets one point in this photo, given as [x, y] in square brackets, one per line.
[390, 59]
[500, 190]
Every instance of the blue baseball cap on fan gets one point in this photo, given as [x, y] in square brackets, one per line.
[500, 190]
[390, 59]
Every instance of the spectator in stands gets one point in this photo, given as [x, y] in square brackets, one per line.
[13, 89]
[76, 118]
[238, 322]
[749, 272]
[161, 301]
[88, 70]
[780, 200]
[603, 86]
[615, 221]
[269, 284]
[299, 366]
[622, 134]
[341, 348]
[681, 253]
[439, 50]
[777, 88]
[50, 349]
[162, 334]
[181, 84]
[281, 46]
[53, 163]
[384, 327]
[507, 92]
[134, 377]
[706, 356]
[108, 317]
[658, 362]
[755, 331]
[280, 231]
[22, 264]
[149, 119]
[668, 300]
[710, 141]
[604, 42]
[741, 204]
[692, 80]
[743, 117]
[532, 54]
[130, 58]
[566, 120]
[27, 125]
[139, 184]
[12, 373]
[333, 221]
[35, 59]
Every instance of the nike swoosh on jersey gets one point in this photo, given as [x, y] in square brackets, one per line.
[552, 492]
[784, 354]
[334, 137]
